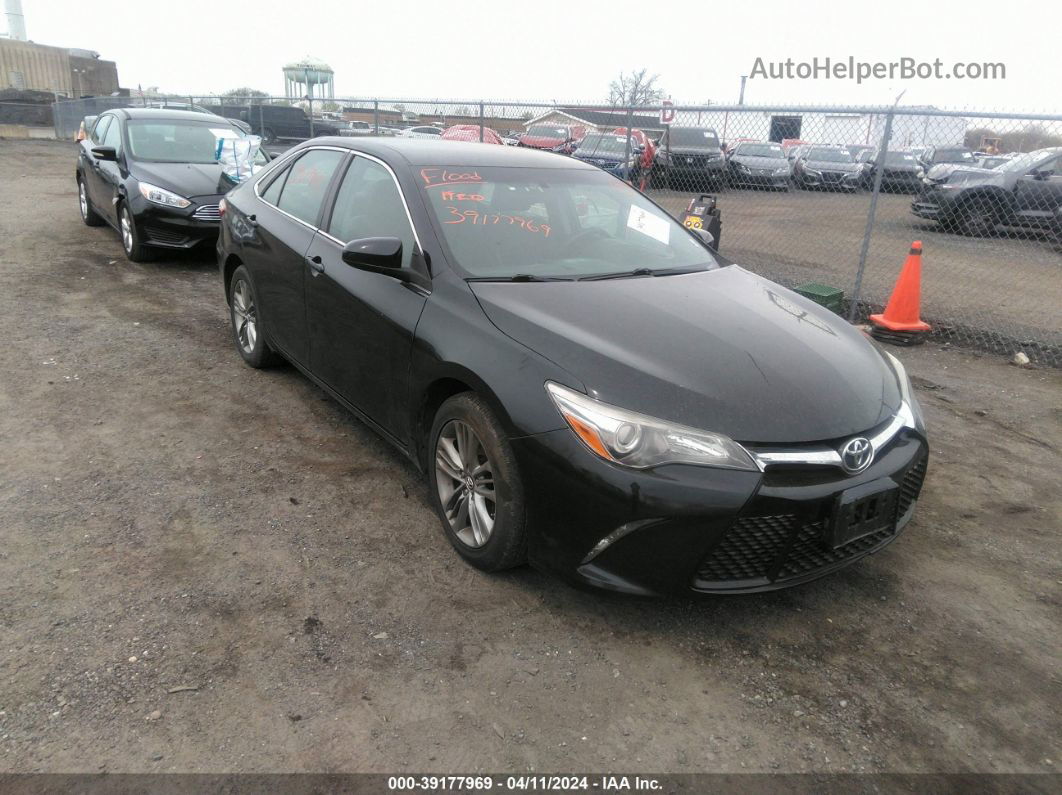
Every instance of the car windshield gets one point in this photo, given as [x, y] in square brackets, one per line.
[760, 150]
[1027, 161]
[171, 141]
[691, 136]
[524, 223]
[605, 144]
[899, 159]
[560, 133]
[830, 155]
[953, 156]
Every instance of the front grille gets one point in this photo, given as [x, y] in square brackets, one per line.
[760, 551]
[164, 236]
[749, 548]
[911, 484]
[833, 176]
[809, 553]
[207, 212]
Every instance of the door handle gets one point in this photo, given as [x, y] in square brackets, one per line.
[316, 265]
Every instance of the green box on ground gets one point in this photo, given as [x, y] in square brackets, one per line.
[829, 297]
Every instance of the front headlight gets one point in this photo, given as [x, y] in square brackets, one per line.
[812, 172]
[743, 168]
[910, 411]
[782, 172]
[162, 196]
[639, 441]
[920, 173]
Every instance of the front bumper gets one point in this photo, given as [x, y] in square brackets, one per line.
[847, 181]
[759, 180]
[169, 227]
[932, 204]
[696, 529]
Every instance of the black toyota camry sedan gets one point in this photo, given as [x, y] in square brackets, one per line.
[587, 385]
[153, 174]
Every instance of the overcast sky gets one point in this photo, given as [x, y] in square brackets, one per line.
[566, 51]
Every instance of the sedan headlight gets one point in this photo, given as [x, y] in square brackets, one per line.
[743, 168]
[911, 410]
[920, 173]
[162, 196]
[782, 172]
[639, 441]
[812, 172]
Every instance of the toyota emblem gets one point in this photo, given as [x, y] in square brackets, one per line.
[856, 455]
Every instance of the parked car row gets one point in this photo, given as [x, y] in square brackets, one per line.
[1024, 191]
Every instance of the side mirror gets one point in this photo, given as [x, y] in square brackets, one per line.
[376, 255]
[105, 153]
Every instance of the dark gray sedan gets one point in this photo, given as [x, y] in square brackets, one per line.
[759, 165]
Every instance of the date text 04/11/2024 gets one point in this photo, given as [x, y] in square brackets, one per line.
[523, 783]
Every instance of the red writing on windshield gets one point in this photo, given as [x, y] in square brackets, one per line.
[441, 176]
[475, 217]
[449, 196]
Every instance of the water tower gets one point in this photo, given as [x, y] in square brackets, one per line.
[309, 78]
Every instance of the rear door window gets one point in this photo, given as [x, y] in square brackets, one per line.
[307, 183]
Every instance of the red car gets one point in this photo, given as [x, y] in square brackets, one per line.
[561, 138]
[470, 132]
[639, 138]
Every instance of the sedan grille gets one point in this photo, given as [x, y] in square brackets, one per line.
[757, 551]
[207, 212]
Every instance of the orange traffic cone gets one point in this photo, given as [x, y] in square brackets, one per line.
[900, 321]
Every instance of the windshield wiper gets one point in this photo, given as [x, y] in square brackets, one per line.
[639, 272]
[520, 277]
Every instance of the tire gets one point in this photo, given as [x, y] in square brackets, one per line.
[88, 215]
[246, 321]
[977, 218]
[467, 445]
[268, 136]
[134, 249]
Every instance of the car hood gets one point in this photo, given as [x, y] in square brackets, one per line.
[760, 162]
[692, 150]
[540, 142]
[902, 168]
[186, 179]
[954, 173]
[601, 157]
[722, 350]
[827, 165]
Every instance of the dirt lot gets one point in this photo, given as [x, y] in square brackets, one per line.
[208, 568]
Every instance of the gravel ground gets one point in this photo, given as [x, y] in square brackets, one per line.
[208, 568]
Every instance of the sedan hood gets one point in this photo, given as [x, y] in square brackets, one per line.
[722, 350]
[826, 165]
[955, 173]
[541, 142]
[185, 179]
[761, 162]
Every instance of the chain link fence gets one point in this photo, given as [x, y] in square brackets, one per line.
[823, 199]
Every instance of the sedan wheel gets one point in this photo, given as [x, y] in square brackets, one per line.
[88, 215]
[134, 249]
[244, 317]
[475, 484]
[247, 321]
[464, 477]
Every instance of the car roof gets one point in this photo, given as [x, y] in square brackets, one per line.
[167, 113]
[422, 152]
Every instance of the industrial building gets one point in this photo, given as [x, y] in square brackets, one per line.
[28, 66]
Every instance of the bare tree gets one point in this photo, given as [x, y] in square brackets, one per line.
[637, 88]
